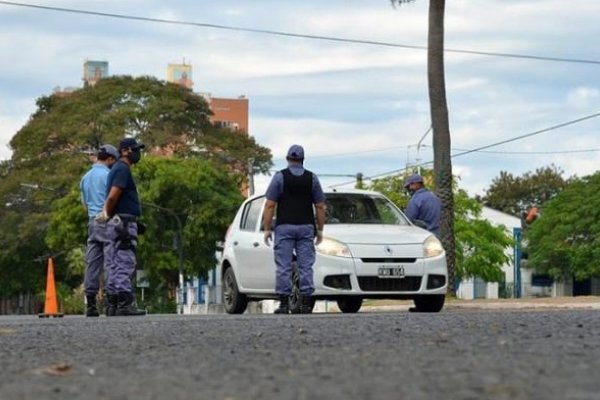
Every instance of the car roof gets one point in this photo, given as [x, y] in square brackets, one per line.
[350, 191]
[327, 191]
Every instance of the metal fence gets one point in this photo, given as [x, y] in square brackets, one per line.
[24, 303]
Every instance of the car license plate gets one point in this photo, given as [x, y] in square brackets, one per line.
[391, 272]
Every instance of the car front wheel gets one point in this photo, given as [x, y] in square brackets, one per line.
[429, 303]
[349, 304]
[234, 301]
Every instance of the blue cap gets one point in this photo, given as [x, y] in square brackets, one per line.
[296, 152]
[413, 179]
[109, 149]
[130, 143]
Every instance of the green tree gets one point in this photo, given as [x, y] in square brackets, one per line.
[23, 217]
[438, 106]
[480, 246]
[50, 154]
[563, 242]
[166, 117]
[514, 194]
[203, 197]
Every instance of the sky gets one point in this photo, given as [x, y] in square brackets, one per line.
[356, 108]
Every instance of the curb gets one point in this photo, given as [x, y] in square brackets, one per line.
[498, 305]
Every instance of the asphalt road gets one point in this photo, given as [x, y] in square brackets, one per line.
[456, 354]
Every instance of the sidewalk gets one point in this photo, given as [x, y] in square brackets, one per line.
[580, 302]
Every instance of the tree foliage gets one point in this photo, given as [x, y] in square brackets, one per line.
[514, 194]
[204, 198]
[563, 242]
[480, 246]
[38, 185]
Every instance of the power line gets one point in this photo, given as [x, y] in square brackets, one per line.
[551, 128]
[299, 35]
[533, 152]
[394, 148]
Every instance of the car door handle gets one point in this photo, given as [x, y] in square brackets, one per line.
[255, 244]
[235, 243]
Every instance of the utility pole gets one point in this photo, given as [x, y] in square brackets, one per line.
[359, 180]
[418, 159]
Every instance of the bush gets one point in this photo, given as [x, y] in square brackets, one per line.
[71, 301]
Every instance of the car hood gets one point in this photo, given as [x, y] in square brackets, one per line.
[376, 234]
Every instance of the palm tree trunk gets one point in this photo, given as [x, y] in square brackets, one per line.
[442, 165]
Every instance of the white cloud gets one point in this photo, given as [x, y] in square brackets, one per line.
[583, 97]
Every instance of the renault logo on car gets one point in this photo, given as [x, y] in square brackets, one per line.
[388, 250]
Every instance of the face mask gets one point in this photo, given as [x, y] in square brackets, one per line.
[134, 157]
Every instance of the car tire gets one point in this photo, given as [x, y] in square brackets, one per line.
[429, 303]
[233, 301]
[349, 304]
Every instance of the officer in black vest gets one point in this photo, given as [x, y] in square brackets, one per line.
[294, 191]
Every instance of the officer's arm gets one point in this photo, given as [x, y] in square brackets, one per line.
[112, 199]
[320, 211]
[268, 213]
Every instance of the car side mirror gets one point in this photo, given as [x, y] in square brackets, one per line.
[419, 223]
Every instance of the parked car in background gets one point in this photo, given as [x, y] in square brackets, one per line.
[370, 250]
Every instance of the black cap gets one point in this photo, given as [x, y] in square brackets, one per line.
[130, 143]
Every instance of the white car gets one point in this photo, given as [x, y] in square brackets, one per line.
[370, 250]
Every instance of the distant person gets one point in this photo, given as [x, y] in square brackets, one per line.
[294, 190]
[122, 209]
[98, 252]
[424, 207]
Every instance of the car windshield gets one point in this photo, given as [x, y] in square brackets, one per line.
[359, 208]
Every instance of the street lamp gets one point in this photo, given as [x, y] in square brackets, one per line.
[179, 240]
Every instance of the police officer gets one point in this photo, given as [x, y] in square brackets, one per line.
[424, 208]
[121, 210]
[294, 191]
[98, 251]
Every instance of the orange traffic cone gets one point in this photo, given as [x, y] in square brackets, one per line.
[50, 305]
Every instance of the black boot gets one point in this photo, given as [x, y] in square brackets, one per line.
[306, 306]
[112, 302]
[91, 310]
[284, 305]
[125, 305]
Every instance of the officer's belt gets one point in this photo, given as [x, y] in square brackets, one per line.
[128, 217]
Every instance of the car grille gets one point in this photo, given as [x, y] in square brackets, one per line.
[375, 284]
[338, 281]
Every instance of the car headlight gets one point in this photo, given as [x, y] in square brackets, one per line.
[332, 247]
[432, 247]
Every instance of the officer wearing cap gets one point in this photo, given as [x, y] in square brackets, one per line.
[294, 190]
[122, 209]
[424, 208]
[97, 254]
